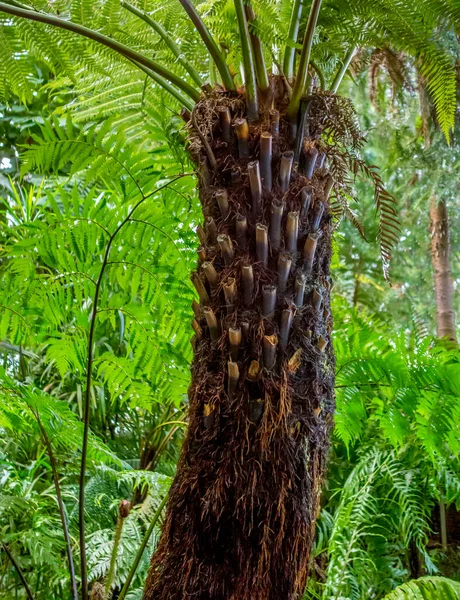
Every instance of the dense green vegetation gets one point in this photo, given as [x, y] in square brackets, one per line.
[98, 212]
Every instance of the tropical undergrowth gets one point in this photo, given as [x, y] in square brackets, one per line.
[52, 258]
[394, 459]
[395, 427]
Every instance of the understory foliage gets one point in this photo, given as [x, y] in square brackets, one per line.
[396, 430]
[427, 588]
[342, 24]
[59, 228]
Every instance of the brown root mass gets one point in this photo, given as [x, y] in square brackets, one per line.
[241, 511]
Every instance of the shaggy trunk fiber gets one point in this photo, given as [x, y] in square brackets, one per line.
[440, 257]
[242, 509]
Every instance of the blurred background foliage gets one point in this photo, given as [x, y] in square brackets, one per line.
[72, 166]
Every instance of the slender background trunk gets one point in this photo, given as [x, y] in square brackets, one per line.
[443, 289]
[440, 257]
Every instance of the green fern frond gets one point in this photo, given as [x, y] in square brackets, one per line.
[426, 588]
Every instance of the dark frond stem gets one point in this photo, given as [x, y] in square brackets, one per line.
[308, 162]
[241, 227]
[304, 108]
[233, 378]
[247, 276]
[275, 223]
[213, 77]
[319, 72]
[201, 251]
[210, 274]
[284, 268]
[309, 251]
[268, 300]
[197, 329]
[266, 148]
[161, 447]
[123, 512]
[242, 135]
[19, 5]
[343, 69]
[226, 247]
[285, 328]
[235, 338]
[211, 45]
[289, 53]
[299, 290]
[18, 571]
[248, 62]
[125, 51]
[318, 211]
[57, 487]
[305, 201]
[262, 243]
[230, 294]
[225, 123]
[211, 229]
[89, 367]
[256, 186]
[287, 159]
[141, 550]
[167, 39]
[184, 100]
[274, 121]
[259, 61]
[302, 71]
[292, 231]
[270, 342]
[222, 202]
[209, 152]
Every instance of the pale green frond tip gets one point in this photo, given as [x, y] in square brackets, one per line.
[132, 55]
[426, 588]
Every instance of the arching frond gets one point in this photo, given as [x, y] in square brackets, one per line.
[428, 588]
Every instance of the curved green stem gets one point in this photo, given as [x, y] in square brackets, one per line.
[140, 552]
[160, 448]
[57, 487]
[302, 71]
[113, 557]
[211, 45]
[19, 5]
[289, 53]
[167, 39]
[106, 41]
[212, 71]
[248, 62]
[259, 61]
[343, 69]
[181, 98]
[18, 571]
[320, 74]
[89, 368]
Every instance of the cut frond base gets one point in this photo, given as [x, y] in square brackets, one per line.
[241, 512]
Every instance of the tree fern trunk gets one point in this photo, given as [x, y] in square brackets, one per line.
[241, 512]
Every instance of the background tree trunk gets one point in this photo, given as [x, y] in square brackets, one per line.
[440, 257]
[443, 289]
[241, 512]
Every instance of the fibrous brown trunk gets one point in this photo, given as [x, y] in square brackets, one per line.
[241, 512]
[440, 257]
